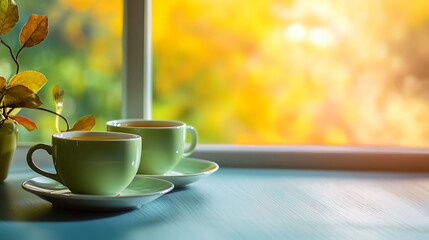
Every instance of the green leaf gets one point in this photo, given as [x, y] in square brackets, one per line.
[85, 123]
[8, 15]
[34, 31]
[20, 96]
[33, 80]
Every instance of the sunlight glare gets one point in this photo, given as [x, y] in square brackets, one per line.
[296, 32]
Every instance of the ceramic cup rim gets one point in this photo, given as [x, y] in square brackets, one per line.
[119, 136]
[166, 124]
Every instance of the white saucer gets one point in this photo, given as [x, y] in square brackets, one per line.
[142, 190]
[188, 171]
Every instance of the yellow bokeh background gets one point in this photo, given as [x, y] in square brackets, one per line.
[294, 72]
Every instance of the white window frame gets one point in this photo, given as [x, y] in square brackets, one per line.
[137, 59]
[137, 103]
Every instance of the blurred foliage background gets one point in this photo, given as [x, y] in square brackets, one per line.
[247, 72]
[82, 54]
[295, 71]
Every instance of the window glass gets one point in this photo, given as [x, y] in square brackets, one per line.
[294, 71]
[82, 54]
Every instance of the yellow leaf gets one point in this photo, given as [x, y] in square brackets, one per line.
[8, 15]
[2, 82]
[33, 80]
[20, 96]
[85, 123]
[27, 123]
[58, 94]
[34, 31]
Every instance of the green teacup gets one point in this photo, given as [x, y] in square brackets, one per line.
[94, 163]
[163, 145]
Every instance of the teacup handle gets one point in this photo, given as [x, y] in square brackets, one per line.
[194, 139]
[35, 168]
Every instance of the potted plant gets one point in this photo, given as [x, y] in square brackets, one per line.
[20, 91]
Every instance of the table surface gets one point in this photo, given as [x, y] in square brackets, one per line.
[236, 203]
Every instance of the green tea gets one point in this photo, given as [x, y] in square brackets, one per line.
[95, 138]
[149, 124]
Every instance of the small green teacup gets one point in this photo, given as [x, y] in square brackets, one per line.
[164, 142]
[93, 163]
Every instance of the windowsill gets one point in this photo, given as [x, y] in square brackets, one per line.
[304, 157]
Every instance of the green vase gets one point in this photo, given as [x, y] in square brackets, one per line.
[8, 140]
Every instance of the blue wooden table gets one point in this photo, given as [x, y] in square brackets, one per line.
[236, 203]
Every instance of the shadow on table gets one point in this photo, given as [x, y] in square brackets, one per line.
[16, 204]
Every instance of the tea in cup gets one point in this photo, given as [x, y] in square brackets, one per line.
[163, 142]
[94, 163]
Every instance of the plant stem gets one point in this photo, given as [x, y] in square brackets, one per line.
[11, 54]
[9, 111]
[16, 57]
[59, 115]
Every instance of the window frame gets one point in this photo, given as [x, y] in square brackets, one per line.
[318, 157]
[137, 59]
